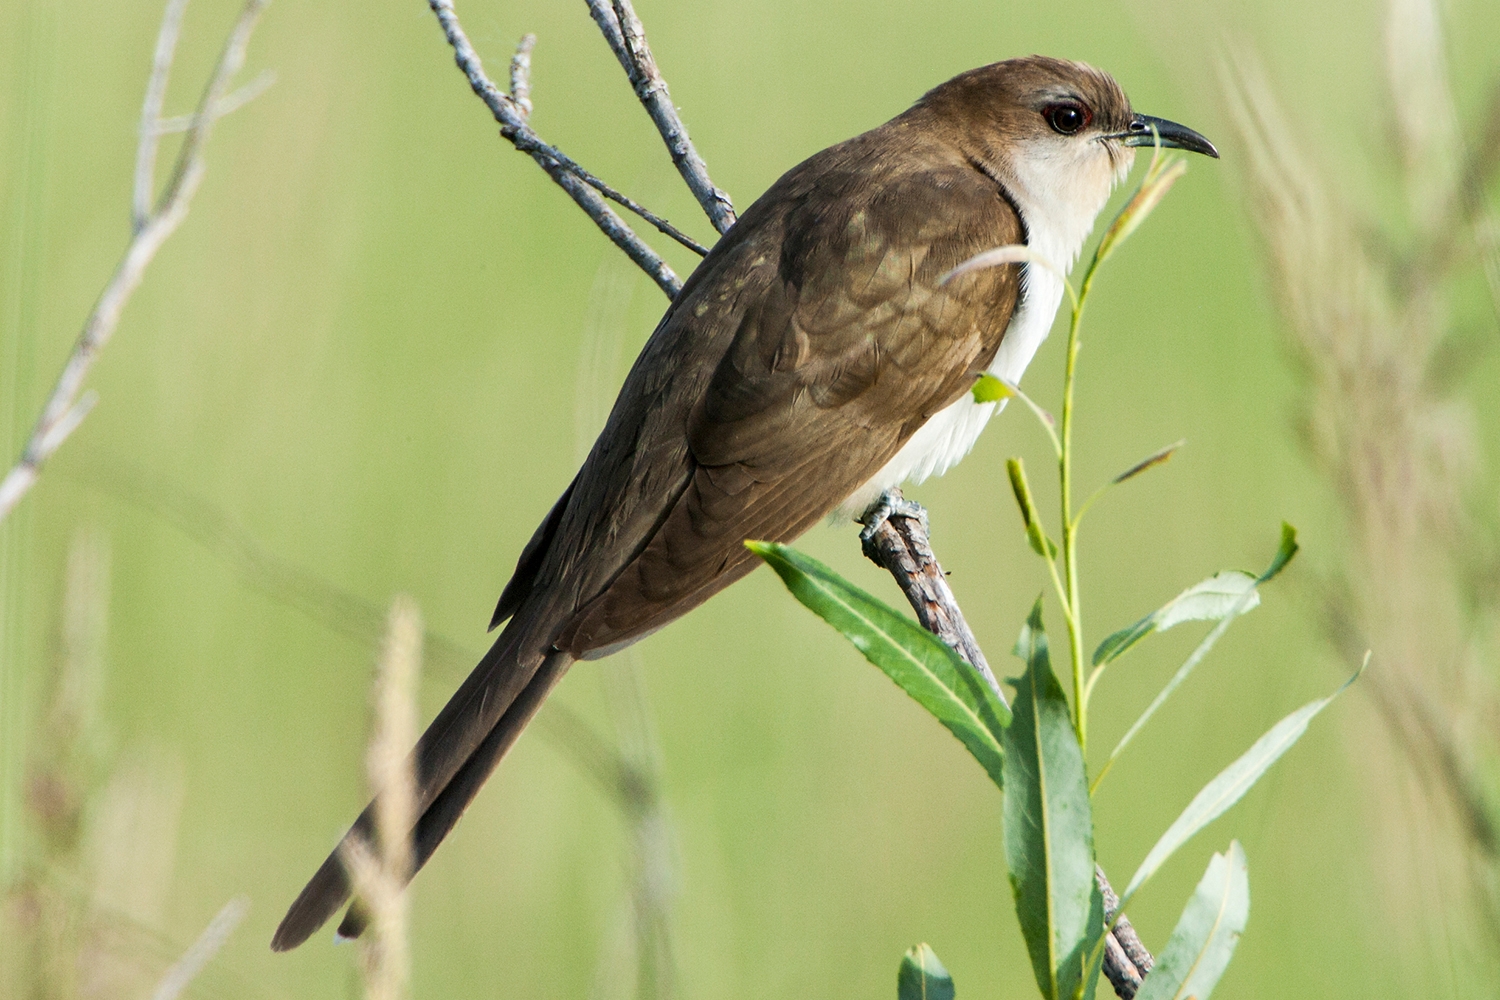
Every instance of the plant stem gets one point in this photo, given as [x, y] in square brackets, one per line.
[1072, 610]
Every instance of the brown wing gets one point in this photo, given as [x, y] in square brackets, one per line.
[785, 377]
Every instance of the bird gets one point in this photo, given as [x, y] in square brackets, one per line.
[814, 359]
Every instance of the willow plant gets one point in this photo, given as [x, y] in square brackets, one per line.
[1032, 746]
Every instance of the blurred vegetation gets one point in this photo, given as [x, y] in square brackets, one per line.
[359, 361]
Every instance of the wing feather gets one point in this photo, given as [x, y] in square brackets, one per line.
[795, 382]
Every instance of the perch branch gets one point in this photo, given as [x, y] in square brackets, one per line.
[626, 36]
[68, 405]
[900, 545]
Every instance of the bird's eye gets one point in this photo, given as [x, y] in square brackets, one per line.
[1067, 118]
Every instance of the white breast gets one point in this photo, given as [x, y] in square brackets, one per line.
[1058, 219]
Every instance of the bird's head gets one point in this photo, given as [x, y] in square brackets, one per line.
[1059, 135]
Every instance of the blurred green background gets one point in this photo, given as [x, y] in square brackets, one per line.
[381, 339]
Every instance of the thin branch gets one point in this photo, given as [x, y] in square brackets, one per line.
[232, 101]
[156, 93]
[900, 545]
[520, 73]
[1127, 964]
[1118, 969]
[568, 175]
[64, 409]
[520, 94]
[626, 36]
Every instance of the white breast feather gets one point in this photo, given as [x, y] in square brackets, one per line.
[1058, 218]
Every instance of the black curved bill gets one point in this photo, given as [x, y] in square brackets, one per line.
[1173, 135]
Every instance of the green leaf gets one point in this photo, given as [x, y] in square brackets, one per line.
[1230, 786]
[920, 663]
[989, 389]
[1031, 520]
[1203, 942]
[1284, 553]
[1049, 830]
[922, 976]
[1210, 600]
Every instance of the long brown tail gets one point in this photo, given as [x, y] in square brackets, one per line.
[450, 770]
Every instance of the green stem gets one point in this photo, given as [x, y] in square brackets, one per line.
[1072, 610]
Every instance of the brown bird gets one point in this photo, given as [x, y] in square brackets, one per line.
[812, 361]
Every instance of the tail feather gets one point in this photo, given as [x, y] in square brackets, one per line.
[459, 749]
[440, 818]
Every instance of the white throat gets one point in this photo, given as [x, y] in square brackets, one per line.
[1058, 196]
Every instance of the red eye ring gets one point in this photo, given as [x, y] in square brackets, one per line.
[1067, 118]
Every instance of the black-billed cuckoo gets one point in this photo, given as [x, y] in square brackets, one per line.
[813, 360]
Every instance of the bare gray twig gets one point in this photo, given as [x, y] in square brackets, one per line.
[626, 36]
[1126, 960]
[1117, 968]
[520, 73]
[583, 187]
[67, 406]
[231, 102]
[900, 545]
[520, 93]
[156, 93]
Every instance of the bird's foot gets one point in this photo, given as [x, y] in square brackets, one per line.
[891, 504]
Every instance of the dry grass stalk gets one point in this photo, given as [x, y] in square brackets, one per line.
[130, 850]
[202, 951]
[63, 773]
[101, 841]
[380, 873]
[1368, 310]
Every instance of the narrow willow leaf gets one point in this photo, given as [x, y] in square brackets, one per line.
[1031, 519]
[1208, 600]
[922, 976]
[920, 663]
[1284, 553]
[989, 389]
[1049, 831]
[1230, 785]
[1203, 942]
[1162, 174]
[1151, 461]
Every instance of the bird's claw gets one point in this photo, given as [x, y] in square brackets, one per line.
[891, 504]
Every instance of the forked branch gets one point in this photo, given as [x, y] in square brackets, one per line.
[67, 406]
[626, 36]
